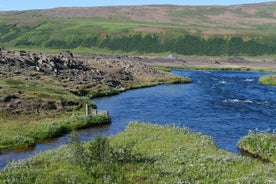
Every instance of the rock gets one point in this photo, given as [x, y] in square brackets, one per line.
[9, 98]
[172, 56]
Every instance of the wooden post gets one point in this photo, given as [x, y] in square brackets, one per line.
[87, 110]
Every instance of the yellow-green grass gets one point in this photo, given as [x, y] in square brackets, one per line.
[260, 144]
[169, 68]
[168, 79]
[143, 153]
[268, 80]
[24, 131]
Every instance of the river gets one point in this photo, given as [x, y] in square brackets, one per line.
[221, 104]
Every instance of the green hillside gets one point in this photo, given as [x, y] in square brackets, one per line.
[188, 30]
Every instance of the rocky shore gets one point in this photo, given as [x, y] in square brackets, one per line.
[82, 76]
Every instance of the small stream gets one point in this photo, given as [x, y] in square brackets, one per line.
[221, 104]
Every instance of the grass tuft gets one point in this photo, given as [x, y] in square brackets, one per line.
[268, 80]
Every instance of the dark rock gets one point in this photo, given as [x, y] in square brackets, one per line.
[9, 98]
[48, 106]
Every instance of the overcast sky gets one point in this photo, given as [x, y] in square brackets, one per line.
[44, 4]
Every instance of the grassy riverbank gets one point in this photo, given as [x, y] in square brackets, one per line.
[143, 153]
[24, 128]
[36, 105]
[169, 68]
[24, 133]
[260, 144]
[42, 110]
[268, 80]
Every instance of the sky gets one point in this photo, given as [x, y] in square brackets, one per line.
[7, 5]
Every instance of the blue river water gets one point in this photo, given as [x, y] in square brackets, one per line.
[222, 104]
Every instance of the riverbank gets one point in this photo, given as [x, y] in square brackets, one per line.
[40, 93]
[214, 63]
[143, 153]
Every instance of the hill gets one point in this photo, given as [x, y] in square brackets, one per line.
[89, 27]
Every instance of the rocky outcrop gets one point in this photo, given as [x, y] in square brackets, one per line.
[63, 67]
[77, 75]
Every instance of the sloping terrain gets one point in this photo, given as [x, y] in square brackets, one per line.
[251, 18]
[186, 30]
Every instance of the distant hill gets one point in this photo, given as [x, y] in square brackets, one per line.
[36, 27]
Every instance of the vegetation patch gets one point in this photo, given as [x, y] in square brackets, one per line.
[28, 132]
[259, 144]
[143, 153]
[268, 80]
[169, 68]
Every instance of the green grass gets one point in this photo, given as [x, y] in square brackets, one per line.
[26, 131]
[143, 153]
[268, 80]
[169, 68]
[170, 79]
[19, 129]
[35, 90]
[260, 144]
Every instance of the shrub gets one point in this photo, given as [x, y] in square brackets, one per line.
[260, 144]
